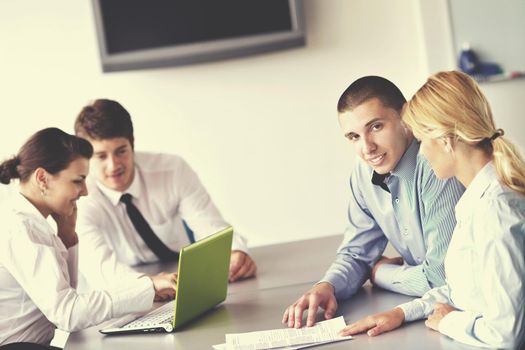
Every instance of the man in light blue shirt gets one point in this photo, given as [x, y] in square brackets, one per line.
[395, 197]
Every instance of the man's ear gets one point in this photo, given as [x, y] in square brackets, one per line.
[401, 116]
[403, 108]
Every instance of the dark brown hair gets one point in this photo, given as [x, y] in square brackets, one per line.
[104, 119]
[51, 149]
[367, 88]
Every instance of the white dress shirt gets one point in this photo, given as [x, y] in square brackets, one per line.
[166, 191]
[38, 277]
[485, 268]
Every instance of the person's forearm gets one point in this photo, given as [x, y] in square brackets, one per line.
[404, 279]
[346, 275]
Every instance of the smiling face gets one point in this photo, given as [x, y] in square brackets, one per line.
[113, 163]
[66, 187]
[377, 134]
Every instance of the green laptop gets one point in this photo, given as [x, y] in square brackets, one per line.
[202, 284]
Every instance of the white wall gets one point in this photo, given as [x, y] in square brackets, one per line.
[505, 97]
[261, 131]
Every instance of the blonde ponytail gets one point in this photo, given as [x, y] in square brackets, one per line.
[509, 164]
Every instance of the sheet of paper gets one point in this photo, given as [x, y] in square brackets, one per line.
[296, 347]
[284, 338]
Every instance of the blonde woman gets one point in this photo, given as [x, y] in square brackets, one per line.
[38, 264]
[483, 302]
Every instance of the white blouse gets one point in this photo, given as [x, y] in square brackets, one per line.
[38, 277]
[485, 268]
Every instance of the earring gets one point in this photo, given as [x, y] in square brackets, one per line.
[43, 192]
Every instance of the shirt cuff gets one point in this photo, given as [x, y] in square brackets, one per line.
[402, 279]
[133, 295]
[325, 282]
[72, 264]
[239, 243]
[413, 310]
[384, 276]
[456, 322]
[335, 282]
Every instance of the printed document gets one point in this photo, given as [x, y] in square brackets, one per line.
[287, 338]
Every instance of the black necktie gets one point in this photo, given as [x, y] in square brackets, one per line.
[150, 238]
[379, 180]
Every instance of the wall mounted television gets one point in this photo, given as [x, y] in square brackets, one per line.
[138, 34]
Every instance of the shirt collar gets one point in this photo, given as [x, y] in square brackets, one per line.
[22, 205]
[19, 204]
[114, 196]
[476, 189]
[404, 169]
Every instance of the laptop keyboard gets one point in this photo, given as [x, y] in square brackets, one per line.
[161, 315]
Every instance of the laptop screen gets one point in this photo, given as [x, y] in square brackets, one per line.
[202, 276]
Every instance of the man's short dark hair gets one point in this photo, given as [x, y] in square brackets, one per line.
[367, 88]
[104, 119]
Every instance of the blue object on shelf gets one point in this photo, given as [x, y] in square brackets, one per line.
[489, 68]
[468, 61]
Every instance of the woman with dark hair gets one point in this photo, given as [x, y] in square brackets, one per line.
[38, 264]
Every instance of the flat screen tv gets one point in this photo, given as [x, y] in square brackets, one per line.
[138, 34]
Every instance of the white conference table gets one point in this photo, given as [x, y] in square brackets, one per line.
[285, 272]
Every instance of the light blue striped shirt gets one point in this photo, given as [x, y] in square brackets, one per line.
[416, 217]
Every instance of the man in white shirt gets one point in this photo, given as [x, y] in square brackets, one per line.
[140, 205]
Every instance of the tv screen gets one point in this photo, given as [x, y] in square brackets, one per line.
[137, 34]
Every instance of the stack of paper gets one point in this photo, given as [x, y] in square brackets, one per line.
[286, 338]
